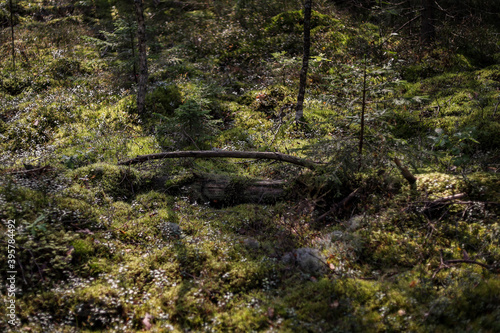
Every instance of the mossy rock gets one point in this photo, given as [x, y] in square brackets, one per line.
[115, 181]
[439, 185]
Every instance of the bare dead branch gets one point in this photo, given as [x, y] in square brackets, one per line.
[31, 171]
[224, 154]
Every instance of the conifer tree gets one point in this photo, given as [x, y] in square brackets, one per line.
[299, 109]
[143, 60]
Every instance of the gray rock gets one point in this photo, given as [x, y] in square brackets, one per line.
[309, 260]
[170, 230]
[355, 222]
[251, 243]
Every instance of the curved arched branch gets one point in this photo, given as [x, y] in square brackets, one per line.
[224, 154]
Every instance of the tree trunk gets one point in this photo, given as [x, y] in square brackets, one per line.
[363, 109]
[427, 32]
[224, 154]
[143, 60]
[132, 45]
[12, 32]
[299, 114]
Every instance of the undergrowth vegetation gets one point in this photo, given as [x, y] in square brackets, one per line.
[349, 247]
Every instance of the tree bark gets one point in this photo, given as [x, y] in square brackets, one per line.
[132, 44]
[143, 60]
[224, 154]
[405, 172]
[363, 109]
[299, 113]
[427, 32]
[12, 32]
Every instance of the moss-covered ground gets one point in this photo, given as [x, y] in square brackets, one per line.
[102, 247]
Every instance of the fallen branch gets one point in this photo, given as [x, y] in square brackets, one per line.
[448, 198]
[224, 154]
[442, 202]
[33, 171]
[405, 172]
[449, 263]
[467, 261]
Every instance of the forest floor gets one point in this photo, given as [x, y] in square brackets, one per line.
[349, 247]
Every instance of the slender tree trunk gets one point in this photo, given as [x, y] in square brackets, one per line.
[12, 32]
[299, 114]
[427, 31]
[143, 60]
[363, 109]
[132, 45]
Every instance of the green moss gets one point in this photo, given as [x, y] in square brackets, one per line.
[439, 185]
[164, 99]
[83, 249]
[485, 186]
[290, 22]
[115, 181]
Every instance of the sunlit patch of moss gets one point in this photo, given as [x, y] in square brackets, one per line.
[438, 185]
[81, 197]
[460, 103]
[240, 319]
[96, 266]
[389, 248]
[234, 139]
[143, 146]
[83, 249]
[248, 119]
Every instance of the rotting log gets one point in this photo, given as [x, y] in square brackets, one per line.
[226, 190]
[224, 154]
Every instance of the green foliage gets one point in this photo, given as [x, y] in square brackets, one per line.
[164, 100]
[190, 124]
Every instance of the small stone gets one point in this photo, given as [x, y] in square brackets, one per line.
[251, 243]
[170, 230]
[355, 222]
[309, 260]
